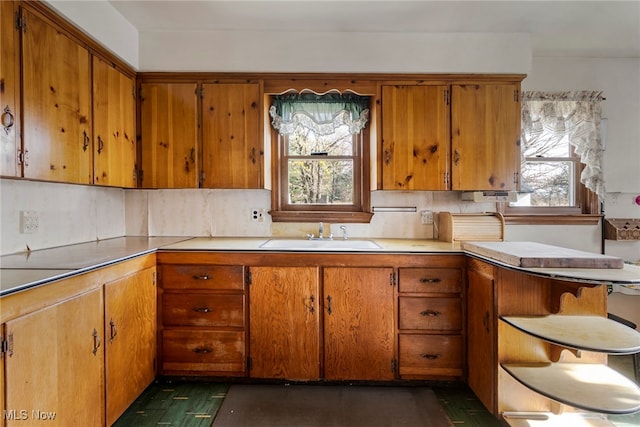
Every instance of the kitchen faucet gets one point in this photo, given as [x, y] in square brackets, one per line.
[320, 234]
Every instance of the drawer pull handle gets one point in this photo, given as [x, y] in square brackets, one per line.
[203, 277]
[430, 313]
[202, 350]
[96, 342]
[426, 280]
[430, 356]
[202, 309]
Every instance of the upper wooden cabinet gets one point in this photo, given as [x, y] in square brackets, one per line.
[114, 141]
[56, 91]
[231, 139]
[169, 135]
[485, 143]
[9, 90]
[415, 137]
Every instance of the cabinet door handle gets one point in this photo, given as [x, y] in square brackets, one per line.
[427, 280]
[96, 342]
[100, 144]
[485, 321]
[7, 119]
[114, 330]
[431, 356]
[430, 313]
[456, 157]
[202, 350]
[85, 140]
[201, 277]
[202, 309]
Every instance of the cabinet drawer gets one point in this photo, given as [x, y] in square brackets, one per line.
[430, 355]
[435, 280]
[210, 277]
[203, 351]
[430, 313]
[203, 310]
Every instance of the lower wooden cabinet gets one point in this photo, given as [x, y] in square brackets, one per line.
[202, 320]
[358, 323]
[285, 322]
[130, 339]
[54, 367]
[430, 323]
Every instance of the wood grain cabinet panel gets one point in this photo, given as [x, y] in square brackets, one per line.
[203, 310]
[9, 90]
[232, 143]
[169, 135]
[130, 339]
[415, 137]
[113, 126]
[485, 143]
[430, 323]
[437, 314]
[56, 91]
[430, 355]
[55, 364]
[199, 351]
[285, 323]
[202, 320]
[358, 323]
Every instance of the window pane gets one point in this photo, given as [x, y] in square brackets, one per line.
[305, 142]
[320, 181]
[547, 144]
[547, 183]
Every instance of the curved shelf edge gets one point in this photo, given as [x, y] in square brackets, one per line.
[549, 419]
[590, 333]
[591, 387]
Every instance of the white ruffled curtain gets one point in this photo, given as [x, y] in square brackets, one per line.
[320, 113]
[575, 115]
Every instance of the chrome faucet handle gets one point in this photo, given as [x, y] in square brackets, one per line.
[344, 232]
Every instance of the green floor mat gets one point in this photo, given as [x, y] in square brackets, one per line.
[463, 408]
[184, 404]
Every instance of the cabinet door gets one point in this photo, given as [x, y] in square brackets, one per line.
[284, 323]
[358, 324]
[9, 90]
[169, 131]
[485, 122]
[482, 348]
[130, 339]
[113, 126]
[415, 137]
[56, 93]
[55, 364]
[231, 141]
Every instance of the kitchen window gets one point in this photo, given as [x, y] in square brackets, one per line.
[321, 147]
[561, 174]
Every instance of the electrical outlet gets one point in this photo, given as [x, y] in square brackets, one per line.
[257, 214]
[426, 217]
[29, 222]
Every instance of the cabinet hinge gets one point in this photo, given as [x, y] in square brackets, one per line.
[6, 345]
[248, 277]
[249, 363]
[23, 157]
[446, 178]
[21, 22]
[135, 174]
[392, 278]
[200, 92]
[447, 97]
[141, 175]
[140, 94]
[394, 365]
[516, 96]
[154, 278]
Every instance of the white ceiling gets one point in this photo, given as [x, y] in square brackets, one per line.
[581, 28]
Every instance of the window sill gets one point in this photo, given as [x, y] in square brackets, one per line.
[551, 219]
[319, 216]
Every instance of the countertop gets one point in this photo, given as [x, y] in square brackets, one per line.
[28, 269]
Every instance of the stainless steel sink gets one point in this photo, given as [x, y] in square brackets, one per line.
[319, 245]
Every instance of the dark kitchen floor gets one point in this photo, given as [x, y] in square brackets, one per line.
[195, 404]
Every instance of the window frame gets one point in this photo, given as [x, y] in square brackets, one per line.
[358, 212]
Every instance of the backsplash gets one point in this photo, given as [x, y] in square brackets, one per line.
[70, 214]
